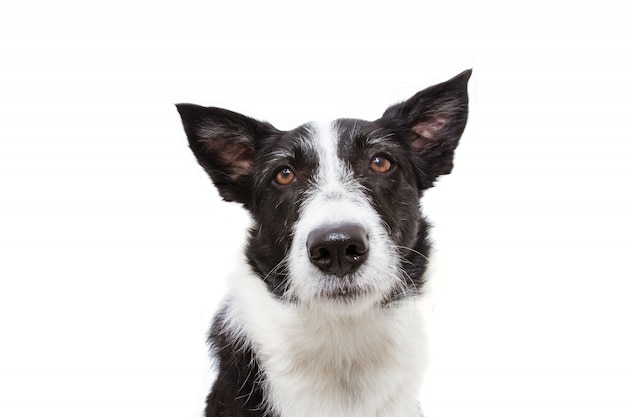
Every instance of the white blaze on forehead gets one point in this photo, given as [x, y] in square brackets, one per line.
[335, 196]
[331, 169]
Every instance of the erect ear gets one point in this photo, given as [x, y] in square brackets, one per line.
[435, 118]
[224, 145]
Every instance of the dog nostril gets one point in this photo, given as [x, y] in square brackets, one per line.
[355, 251]
[320, 254]
[338, 250]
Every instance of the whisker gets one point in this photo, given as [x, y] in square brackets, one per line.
[275, 269]
[414, 251]
[280, 270]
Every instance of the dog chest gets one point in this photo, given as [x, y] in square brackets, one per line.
[315, 365]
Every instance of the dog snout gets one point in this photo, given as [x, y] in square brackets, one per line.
[338, 249]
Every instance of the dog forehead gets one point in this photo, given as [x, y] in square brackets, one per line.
[349, 130]
[324, 145]
[336, 138]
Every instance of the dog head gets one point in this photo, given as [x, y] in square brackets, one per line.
[335, 206]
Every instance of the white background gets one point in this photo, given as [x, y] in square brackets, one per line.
[114, 245]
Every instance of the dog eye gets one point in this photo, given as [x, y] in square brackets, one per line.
[285, 176]
[380, 164]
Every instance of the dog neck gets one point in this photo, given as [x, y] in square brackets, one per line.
[318, 364]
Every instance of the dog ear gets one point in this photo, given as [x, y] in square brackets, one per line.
[224, 145]
[435, 119]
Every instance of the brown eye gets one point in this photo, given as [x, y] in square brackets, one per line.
[380, 164]
[285, 176]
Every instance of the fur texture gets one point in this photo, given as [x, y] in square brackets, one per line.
[323, 317]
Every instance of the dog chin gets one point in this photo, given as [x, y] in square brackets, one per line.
[345, 299]
[344, 307]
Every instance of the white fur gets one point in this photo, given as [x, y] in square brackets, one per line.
[319, 365]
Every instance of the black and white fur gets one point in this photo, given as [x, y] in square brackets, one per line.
[323, 319]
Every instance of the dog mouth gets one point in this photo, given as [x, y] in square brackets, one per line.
[343, 295]
[345, 288]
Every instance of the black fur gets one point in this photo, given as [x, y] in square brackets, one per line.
[239, 393]
[243, 155]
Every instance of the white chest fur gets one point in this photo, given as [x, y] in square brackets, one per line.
[317, 365]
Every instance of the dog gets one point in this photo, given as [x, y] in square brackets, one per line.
[322, 319]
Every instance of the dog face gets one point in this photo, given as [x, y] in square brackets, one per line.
[335, 206]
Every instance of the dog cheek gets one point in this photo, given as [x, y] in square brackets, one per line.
[398, 203]
[279, 213]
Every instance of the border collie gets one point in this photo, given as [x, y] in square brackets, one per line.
[323, 319]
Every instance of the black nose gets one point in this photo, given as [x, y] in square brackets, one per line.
[338, 249]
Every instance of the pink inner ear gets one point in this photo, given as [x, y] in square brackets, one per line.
[239, 158]
[236, 156]
[430, 128]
